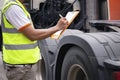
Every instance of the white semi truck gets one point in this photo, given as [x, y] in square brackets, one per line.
[89, 49]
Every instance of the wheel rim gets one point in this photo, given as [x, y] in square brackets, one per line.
[76, 72]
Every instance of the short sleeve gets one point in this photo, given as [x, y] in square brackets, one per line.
[17, 17]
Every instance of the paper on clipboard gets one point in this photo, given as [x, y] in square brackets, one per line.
[70, 17]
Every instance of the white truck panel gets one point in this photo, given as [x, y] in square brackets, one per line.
[1, 3]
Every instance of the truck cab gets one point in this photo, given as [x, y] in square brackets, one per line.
[88, 49]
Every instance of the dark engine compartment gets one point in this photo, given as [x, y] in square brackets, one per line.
[48, 13]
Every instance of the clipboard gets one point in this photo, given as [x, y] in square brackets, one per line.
[70, 16]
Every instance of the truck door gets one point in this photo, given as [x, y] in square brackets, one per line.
[114, 9]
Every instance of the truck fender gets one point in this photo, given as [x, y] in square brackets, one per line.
[95, 46]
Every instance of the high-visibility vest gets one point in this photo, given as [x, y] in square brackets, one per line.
[17, 48]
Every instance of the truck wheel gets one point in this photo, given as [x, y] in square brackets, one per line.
[76, 65]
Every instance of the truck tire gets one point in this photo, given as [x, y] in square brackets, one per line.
[76, 65]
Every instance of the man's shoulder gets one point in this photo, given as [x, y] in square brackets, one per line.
[14, 8]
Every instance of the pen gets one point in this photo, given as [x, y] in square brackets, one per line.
[60, 15]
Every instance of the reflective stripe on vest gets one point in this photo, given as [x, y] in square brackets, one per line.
[20, 47]
[17, 49]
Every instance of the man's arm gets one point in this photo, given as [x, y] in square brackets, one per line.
[39, 34]
[17, 17]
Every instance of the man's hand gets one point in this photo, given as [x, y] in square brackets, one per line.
[62, 23]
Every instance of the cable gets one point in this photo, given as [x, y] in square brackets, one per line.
[63, 11]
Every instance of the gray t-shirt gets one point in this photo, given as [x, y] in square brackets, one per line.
[16, 16]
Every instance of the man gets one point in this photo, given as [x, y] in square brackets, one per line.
[20, 49]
